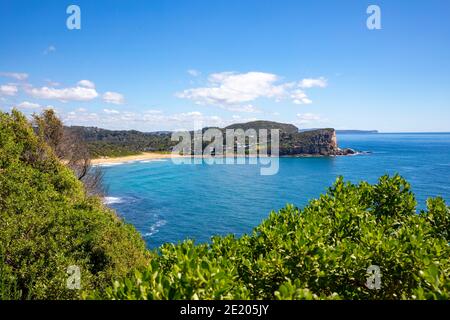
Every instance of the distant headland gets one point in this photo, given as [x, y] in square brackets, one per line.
[105, 143]
[348, 131]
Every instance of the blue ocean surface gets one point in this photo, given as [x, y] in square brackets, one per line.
[169, 203]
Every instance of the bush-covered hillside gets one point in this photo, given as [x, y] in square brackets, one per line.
[113, 143]
[48, 223]
[319, 252]
[118, 143]
[323, 251]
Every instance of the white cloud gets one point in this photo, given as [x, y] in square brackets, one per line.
[299, 97]
[8, 90]
[149, 120]
[248, 108]
[311, 83]
[52, 83]
[143, 121]
[192, 114]
[308, 118]
[84, 90]
[229, 89]
[192, 120]
[28, 105]
[153, 111]
[86, 84]
[15, 75]
[77, 93]
[49, 49]
[193, 72]
[110, 111]
[81, 118]
[113, 97]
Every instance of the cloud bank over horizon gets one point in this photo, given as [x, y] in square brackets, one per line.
[232, 92]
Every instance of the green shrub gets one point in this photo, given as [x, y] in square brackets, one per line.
[323, 251]
[320, 252]
[48, 223]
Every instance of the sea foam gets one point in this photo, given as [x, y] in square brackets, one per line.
[154, 228]
[112, 164]
[153, 160]
[112, 200]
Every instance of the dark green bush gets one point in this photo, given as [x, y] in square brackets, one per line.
[47, 223]
[320, 252]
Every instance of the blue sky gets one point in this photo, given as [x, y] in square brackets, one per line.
[163, 65]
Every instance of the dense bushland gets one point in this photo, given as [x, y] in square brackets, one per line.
[116, 143]
[319, 252]
[48, 222]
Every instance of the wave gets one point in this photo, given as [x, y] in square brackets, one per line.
[109, 164]
[153, 160]
[154, 228]
[112, 200]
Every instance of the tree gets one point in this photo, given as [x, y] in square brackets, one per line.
[70, 148]
[51, 130]
[48, 223]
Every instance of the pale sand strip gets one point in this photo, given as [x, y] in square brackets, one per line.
[139, 157]
[156, 156]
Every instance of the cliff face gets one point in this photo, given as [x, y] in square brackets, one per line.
[316, 142]
[319, 142]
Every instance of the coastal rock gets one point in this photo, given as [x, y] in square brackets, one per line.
[319, 142]
[347, 152]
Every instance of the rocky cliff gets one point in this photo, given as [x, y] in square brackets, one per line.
[316, 142]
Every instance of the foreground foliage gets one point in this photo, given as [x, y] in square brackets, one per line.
[319, 252]
[48, 223]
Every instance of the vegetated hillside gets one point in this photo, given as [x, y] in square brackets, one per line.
[112, 143]
[322, 251]
[48, 223]
[256, 125]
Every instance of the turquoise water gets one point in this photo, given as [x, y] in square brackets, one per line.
[169, 203]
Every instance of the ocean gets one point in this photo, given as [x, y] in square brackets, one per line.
[169, 203]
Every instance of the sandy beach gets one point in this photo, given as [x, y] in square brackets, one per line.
[150, 156]
[138, 157]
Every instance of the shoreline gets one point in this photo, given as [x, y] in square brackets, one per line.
[159, 156]
[138, 157]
